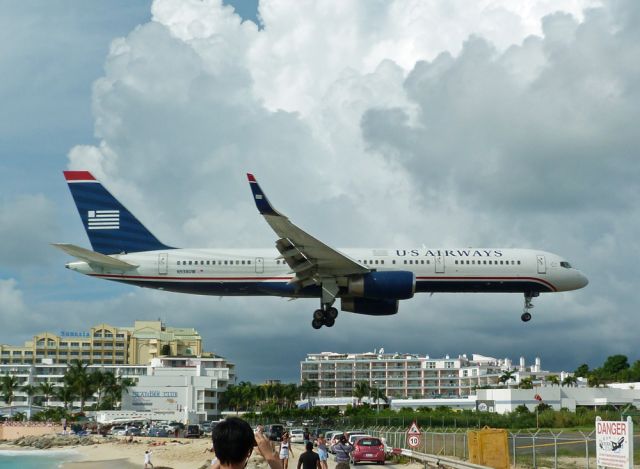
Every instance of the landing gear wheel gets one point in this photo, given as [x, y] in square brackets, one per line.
[318, 314]
[329, 322]
[316, 323]
[332, 313]
[526, 317]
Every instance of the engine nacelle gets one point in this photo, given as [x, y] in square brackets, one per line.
[369, 306]
[397, 285]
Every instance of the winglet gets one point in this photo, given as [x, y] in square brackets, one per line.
[263, 204]
[94, 258]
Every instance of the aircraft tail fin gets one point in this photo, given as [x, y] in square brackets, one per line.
[111, 228]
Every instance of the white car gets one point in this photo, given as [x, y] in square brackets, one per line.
[296, 435]
[354, 436]
[119, 430]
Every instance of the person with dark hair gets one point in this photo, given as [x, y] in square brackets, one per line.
[233, 442]
[309, 459]
[342, 450]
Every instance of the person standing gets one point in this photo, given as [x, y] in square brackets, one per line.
[306, 436]
[342, 449]
[309, 459]
[147, 460]
[286, 450]
[323, 451]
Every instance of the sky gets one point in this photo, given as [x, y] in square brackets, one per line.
[396, 124]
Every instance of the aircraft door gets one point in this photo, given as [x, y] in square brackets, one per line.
[163, 261]
[259, 265]
[439, 263]
[542, 265]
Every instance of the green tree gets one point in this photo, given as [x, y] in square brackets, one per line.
[81, 381]
[65, 394]
[360, 390]
[30, 390]
[116, 388]
[614, 365]
[506, 377]
[582, 371]
[570, 381]
[526, 383]
[553, 380]
[47, 390]
[308, 389]
[9, 387]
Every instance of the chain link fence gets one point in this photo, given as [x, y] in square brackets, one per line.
[567, 449]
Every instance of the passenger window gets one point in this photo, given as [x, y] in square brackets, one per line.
[376, 261]
[405, 261]
[513, 262]
[178, 262]
[225, 262]
[190, 262]
[428, 262]
[249, 262]
[201, 262]
[242, 262]
[237, 262]
[467, 262]
[382, 261]
[473, 262]
[518, 262]
[393, 261]
[501, 262]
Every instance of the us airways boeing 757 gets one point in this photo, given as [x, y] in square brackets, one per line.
[367, 281]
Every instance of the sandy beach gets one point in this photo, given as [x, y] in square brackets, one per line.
[167, 453]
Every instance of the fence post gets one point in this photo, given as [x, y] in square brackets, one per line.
[464, 445]
[513, 445]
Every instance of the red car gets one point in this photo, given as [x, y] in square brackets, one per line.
[368, 448]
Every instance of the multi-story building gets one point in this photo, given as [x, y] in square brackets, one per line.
[404, 375]
[106, 345]
[149, 352]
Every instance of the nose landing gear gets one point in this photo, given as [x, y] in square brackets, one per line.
[528, 296]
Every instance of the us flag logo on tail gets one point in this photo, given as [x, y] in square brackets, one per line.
[103, 219]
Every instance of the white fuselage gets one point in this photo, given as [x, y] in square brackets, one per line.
[255, 272]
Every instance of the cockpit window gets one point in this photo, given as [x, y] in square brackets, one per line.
[565, 264]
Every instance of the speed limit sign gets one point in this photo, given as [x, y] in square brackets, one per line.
[413, 436]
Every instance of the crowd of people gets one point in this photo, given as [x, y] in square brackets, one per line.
[234, 442]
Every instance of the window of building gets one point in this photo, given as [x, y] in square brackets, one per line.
[178, 263]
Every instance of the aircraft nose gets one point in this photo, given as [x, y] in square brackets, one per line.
[583, 281]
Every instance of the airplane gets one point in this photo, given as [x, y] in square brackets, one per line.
[367, 281]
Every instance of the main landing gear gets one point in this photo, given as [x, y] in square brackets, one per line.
[324, 317]
[528, 296]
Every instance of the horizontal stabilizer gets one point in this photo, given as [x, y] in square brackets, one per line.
[93, 257]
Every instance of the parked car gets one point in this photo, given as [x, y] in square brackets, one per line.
[193, 431]
[353, 437]
[206, 427]
[368, 448]
[296, 435]
[158, 432]
[274, 431]
[118, 430]
[133, 431]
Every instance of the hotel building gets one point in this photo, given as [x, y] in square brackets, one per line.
[104, 344]
[407, 375]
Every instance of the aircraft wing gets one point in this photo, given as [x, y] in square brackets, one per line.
[93, 257]
[309, 258]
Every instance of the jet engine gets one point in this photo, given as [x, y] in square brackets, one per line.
[397, 285]
[369, 306]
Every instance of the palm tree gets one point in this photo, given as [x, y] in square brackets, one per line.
[30, 390]
[554, 380]
[291, 393]
[507, 376]
[81, 381]
[103, 381]
[308, 389]
[47, 390]
[9, 387]
[377, 394]
[360, 390]
[116, 388]
[65, 394]
[570, 381]
[526, 383]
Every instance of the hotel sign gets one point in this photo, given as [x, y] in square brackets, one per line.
[77, 334]
[614, 443]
